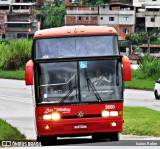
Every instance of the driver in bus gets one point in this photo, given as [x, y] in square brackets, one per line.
[58, 79]
[99, 80]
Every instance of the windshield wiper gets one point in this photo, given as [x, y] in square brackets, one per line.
[89, 83]
[94, 90]
[67, 95]
[70, 91]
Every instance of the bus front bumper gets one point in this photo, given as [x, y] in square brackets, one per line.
[79, 126]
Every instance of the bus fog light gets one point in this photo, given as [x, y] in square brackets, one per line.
[47, 127]
[114, 113]
[114, 124]
[47, 117]
[105, 113]
[56, 116]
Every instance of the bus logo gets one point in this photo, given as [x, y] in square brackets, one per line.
[83, 64]
[80, 114]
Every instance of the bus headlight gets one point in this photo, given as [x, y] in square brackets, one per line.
[111, 113]
[105, 113]
[114, 113]
[47, 117]
[56, 116]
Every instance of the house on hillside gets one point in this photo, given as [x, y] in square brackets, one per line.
[154, 49]
[4, 10]
[81, 15]
[22, 21]
[147, 14]
[119, 16]
[72, 2]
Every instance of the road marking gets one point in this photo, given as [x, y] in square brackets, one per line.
[15, 88]
[153, 101]
[16, 99]
[137, 98]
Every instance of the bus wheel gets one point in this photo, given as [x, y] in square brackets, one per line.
[114, 136]
[47, 140]
[99, 136]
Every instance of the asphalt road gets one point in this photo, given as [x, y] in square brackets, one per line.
[141, 98]
[16, 107]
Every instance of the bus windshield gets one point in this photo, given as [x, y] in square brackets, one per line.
[79, 81]
[76, 46]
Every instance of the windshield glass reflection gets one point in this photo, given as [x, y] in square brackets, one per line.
[97, 79]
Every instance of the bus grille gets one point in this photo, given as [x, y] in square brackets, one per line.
[85, 116]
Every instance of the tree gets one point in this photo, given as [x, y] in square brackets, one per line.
[141, 38]
[122, 1]
[53, 16]
[132, 38]
[93, 2]
[58, 3]
[99, 2]
[149, 37]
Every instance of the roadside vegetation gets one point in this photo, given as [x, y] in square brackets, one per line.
[14, 54]
[53, 16]
[8, 132]
[147, 75]
[139, 83]
[141, 121]
[12, 74]
[149, 67]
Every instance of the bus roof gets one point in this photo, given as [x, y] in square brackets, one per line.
[75, 31]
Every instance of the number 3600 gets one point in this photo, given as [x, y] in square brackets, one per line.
[109, 106]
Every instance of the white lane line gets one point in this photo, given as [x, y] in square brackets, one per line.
[16, 99]
[138, 98]
[20, 88]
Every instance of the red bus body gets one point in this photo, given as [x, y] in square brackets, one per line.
[79, 118]
[86, 125]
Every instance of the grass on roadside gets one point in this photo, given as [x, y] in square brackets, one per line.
[141, 121]
[7, 74]
[136, 83]
[8, 132]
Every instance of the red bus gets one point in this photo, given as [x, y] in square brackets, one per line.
[78, 74]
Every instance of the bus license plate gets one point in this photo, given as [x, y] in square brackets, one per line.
[80, 126]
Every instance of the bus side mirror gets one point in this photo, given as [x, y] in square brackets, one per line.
[29, 73]
[127, 74]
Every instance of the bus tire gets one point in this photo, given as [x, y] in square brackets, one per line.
[114, 136]
[99, 136]
[47, 140]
